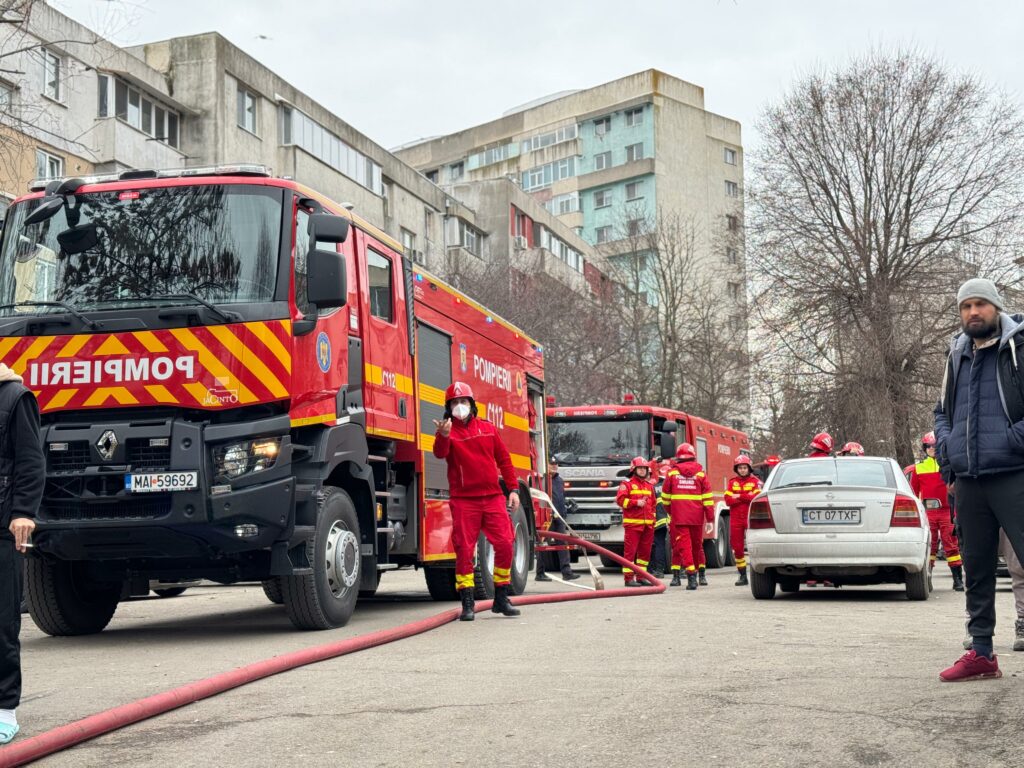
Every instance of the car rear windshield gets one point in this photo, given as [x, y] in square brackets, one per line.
[856, 472]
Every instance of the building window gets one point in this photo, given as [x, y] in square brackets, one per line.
[51, 75]
[247, 101]
[634, 152]
[48, 166]
[634, 117]
[546, 175]
[455, 171]
[602, 198]
[634, 227]
[312, 137]
[734, 291]
[285, 129]
[562, 204]
[603, 126]
[634, 190]
[408, 241]
[730, 156]
[603, 234]
[431, 176]
[469, 238]
[732, 224]
[565, 133]
[378, 270]
[732, 255]
[137, 109]
[732, 189]
[602, 161]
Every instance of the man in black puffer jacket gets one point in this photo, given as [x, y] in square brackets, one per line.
[979, 429]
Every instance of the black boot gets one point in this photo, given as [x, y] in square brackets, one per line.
[691, 580]
[502, 604]
[742, 580]
[958, 578]
[467, 605]
[703, 579]
[675, 580]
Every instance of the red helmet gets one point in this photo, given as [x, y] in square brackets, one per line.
[853, 449]
[928, 440]
[742, 459]
[823, 442]
[772, 460]
[458, 389]
[638, 462]
[686, 451]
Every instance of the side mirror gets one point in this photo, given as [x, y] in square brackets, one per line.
[327, 283]
[78, 239]
[670, 426]
[46, 210]
[667, 443]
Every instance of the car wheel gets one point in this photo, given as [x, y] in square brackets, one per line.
[762, 585]
[170, 591]
[917, 585]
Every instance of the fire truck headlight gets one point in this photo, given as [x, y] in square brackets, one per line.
[237, 459]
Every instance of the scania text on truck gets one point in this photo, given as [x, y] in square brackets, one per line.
[595, 443]
[238, 380]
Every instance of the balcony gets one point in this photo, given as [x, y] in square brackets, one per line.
[617, 173]
[121, 146]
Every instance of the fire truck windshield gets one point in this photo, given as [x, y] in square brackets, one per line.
[599, 442]
[219, 243]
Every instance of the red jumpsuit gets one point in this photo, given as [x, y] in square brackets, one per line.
[686, 494]
[739, 492]
[637, 522]
[475, 456]
[928, 484]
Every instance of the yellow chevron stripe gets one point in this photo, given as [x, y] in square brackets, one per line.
[516, 422]
[112, 346]
[521, 462]
[61, 398]
[73, 346]
[308, 420]
[120, 394]
[213, 364]
[249, 359]
[432, 395]
[197, 390]
[6, 345]
[149, 340]
[160, 393]
[426, 442]
[271, 342]
[35, 349]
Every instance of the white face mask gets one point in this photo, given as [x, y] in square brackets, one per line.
[460, 411]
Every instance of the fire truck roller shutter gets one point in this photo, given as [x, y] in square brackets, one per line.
[435, 371]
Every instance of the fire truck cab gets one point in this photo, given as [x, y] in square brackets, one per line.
[237, 381]
[595, 443]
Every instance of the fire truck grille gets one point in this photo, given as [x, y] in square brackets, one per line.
[130, 509]
[141, 455]
[74, 459]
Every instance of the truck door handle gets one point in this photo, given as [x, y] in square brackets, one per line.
[401, 407]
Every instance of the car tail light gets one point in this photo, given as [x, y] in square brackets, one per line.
[760, 514]
[904, 513]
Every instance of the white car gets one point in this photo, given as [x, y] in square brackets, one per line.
[848, 520]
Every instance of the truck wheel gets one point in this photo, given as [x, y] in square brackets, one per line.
[272, 589]
[521, 540]
[483, 570]
[716, 551]
[326, 598]
[440, 582]
[170, 591]
[762, 585]
[917, 585]
[62, 603]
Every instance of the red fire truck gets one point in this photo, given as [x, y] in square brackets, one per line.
[595, 443]
[238, 380]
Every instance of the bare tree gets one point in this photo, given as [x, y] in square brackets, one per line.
[880, 186]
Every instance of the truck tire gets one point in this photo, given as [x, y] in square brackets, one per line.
[272, 589]
[762, 585]
[483, 570]
[326, 598]
[170, 591]
[440, 583]
[917, 585]
[521, 541]
[62, 603]
[717, 551]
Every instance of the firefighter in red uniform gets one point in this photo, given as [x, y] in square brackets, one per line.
[928, 484]
[852, 449]
[636, 499]
[476, 455]
[686, 494]
[821, 446]
[739, 492]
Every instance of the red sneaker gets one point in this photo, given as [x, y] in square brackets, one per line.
[971, 666]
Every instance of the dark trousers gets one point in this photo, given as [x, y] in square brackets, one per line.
[659, 558]
[10, 623]
[983, 506]
[563, 554]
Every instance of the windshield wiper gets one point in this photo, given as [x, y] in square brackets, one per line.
[89, 322]
[804, 485]
[227, 317]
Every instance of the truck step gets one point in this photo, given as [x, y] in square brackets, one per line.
[373, 458]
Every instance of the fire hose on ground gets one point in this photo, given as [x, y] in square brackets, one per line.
[65, 736]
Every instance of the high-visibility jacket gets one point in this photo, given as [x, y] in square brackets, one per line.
[739, 492]
[630, 493]
[687, 495]
[927, 483]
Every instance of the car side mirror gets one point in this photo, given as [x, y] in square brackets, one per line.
[667, 443]
[327, 281]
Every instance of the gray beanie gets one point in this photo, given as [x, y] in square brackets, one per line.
[980, 288]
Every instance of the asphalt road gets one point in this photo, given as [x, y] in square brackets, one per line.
[709, 678]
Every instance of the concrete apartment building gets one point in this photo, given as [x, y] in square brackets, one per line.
[608, 158]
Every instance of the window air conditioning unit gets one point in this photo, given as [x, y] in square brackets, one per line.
[519, 242]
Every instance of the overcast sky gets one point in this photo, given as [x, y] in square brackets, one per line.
[399, 70]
